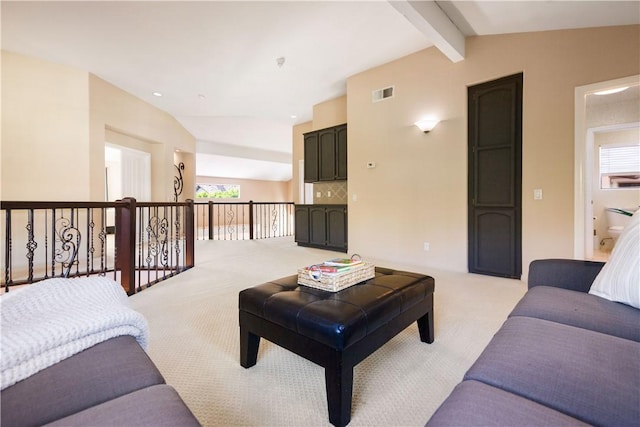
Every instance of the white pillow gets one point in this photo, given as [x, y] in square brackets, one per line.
[619, 279]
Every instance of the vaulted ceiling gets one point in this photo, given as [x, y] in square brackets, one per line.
[239, 74]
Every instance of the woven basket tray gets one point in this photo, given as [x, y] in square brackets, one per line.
[337, 281]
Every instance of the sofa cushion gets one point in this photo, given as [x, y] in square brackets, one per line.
[110, 369]
[580, 309]
[619, 279]
[154, 406]
[588, 375]
[473, 403]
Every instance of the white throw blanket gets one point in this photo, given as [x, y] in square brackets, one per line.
[52, 320]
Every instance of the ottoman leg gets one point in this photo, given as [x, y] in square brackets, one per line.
[339, 384]
[249, 344]
[425, 327]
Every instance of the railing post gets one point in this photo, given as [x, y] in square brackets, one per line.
[250, 219]
[126, 243]
[210, 220]
[7, 251]
[189, 224]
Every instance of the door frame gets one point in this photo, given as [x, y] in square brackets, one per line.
[583, 165]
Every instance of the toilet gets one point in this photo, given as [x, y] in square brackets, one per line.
[617, 219]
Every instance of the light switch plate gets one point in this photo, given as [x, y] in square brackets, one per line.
[537, 194]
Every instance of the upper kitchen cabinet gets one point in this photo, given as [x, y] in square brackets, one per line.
[325, 154]
[311, 157]
[341, 152]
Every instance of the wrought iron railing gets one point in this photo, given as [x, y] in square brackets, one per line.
[138, 244]
[243, 220]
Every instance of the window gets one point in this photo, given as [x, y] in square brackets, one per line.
[619, 166]
[217, 191]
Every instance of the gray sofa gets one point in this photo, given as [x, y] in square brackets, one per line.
[72, 353]
[113, 383]
[563, 357]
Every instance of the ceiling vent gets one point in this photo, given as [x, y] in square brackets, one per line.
[382, 94]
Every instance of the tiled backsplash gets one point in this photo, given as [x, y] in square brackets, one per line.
[331, 192]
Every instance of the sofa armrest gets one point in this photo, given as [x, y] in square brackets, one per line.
[575, 275]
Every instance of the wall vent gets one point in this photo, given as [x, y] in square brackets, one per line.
[382, 94]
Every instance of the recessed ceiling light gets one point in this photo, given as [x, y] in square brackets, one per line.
[201, 96]
[610, 91]
[293, 116]
[157, 94]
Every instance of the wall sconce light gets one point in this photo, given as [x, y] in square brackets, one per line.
[426, 125]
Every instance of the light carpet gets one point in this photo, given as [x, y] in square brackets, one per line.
[194, 341]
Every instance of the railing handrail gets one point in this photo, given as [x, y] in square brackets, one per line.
[242, 203]
[14, 205]
[126, 224]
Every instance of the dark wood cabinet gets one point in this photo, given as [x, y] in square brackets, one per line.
[322, 226]
[341, 152]
[325, 154]
[302, 224]
[336, 227]
[317, 226]
[311, 157]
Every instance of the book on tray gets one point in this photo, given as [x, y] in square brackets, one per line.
[336, 265]
[343, 262]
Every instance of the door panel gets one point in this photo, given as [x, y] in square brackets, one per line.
[327, 150]
[311, 157]
[302, 224]
[317, 221]
[341, 152]
[337, 227]
[495, 177]
[495, 249]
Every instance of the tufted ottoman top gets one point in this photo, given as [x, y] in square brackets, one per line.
[337, 319]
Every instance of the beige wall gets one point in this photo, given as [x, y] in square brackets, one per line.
[116, 114]
[55, 123]
[330, 113]
[45, 123]
[418, 191]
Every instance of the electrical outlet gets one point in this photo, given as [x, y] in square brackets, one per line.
[318, 194]
[426, 246]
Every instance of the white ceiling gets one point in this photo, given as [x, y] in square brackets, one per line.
[216, 62]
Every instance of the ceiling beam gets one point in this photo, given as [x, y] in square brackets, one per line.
[431, 21]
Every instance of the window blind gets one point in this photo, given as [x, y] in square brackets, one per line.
[619, 159]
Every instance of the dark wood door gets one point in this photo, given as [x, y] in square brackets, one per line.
[311, 157]
[318, 226]
[495, 177]
[302, 224]
[341, 152]
[327, 151]
[337, 227]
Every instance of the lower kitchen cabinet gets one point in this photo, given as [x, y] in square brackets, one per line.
[322, 226]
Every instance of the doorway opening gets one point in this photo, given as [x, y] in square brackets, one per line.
[597, 117]
[127, 174]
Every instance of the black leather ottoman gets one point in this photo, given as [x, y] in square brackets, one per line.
[335, 330]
